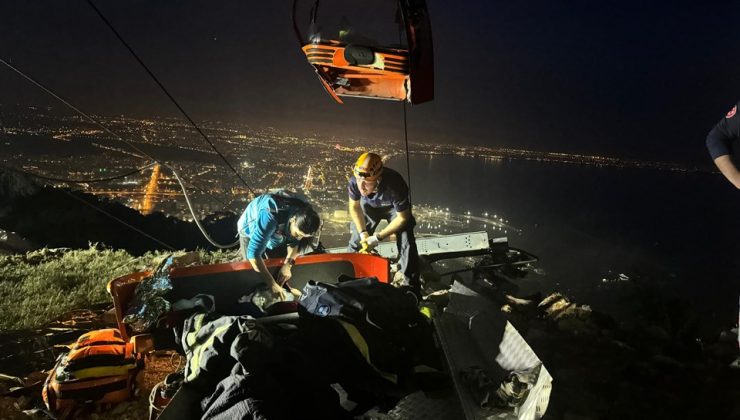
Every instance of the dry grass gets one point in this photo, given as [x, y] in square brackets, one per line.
[39, 286]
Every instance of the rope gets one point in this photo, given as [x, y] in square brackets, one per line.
[99, 124]
[104, 212]
[42, 87]
[197, 222]
[187, 200]
[166, 92]
[184, 190]
[91, 181]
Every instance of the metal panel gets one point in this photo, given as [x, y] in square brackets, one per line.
[460, 242]
[472, 333]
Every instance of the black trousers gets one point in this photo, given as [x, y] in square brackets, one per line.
[408, 256]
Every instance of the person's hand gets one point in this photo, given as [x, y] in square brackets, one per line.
[296, 293]
[285, 274]
[278, 291]
[364, 235]
[371, 242]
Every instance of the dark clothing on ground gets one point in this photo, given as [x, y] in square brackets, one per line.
[722, 139]
[284, 387]
[237, 369]
[377, 347]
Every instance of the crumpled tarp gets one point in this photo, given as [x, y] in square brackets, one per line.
[149, 305]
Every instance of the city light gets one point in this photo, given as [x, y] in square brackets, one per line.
[268, 158]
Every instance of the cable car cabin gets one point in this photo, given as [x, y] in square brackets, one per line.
[371, 61]
[228, 282]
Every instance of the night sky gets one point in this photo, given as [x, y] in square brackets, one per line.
[624, 78]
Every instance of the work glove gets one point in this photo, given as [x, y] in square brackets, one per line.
[371, 242]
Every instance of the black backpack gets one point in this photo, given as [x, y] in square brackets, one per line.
[362, 302]
[383, 320]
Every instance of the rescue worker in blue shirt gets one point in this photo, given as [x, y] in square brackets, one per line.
[375, 194]
[721, 142]
[270, 221]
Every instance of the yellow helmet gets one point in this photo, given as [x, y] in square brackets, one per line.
[369, 166]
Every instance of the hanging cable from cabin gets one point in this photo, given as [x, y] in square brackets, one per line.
[399, 16]
[98, 123]
[406, 141]
[166, 92]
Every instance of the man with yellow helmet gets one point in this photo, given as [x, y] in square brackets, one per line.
[375, 194]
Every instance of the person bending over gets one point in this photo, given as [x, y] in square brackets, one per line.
[276, 225]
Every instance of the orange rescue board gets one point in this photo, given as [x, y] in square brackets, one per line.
[227, 282]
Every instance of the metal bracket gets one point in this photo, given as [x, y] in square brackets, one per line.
[439, 246]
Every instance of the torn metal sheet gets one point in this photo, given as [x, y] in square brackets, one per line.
[475, 337]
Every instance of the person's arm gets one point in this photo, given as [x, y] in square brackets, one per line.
[258, 264]
[286, 270]
[265, 226]
[395, 226]
[719, 144]
[357, 216]
[402, 207]
[728, 169]
[292, 252]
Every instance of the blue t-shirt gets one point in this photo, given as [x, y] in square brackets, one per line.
[392, 191]
[266, 225]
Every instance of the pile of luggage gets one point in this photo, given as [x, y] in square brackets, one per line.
[349, 347]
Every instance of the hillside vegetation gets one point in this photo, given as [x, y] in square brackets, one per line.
[38, 286]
